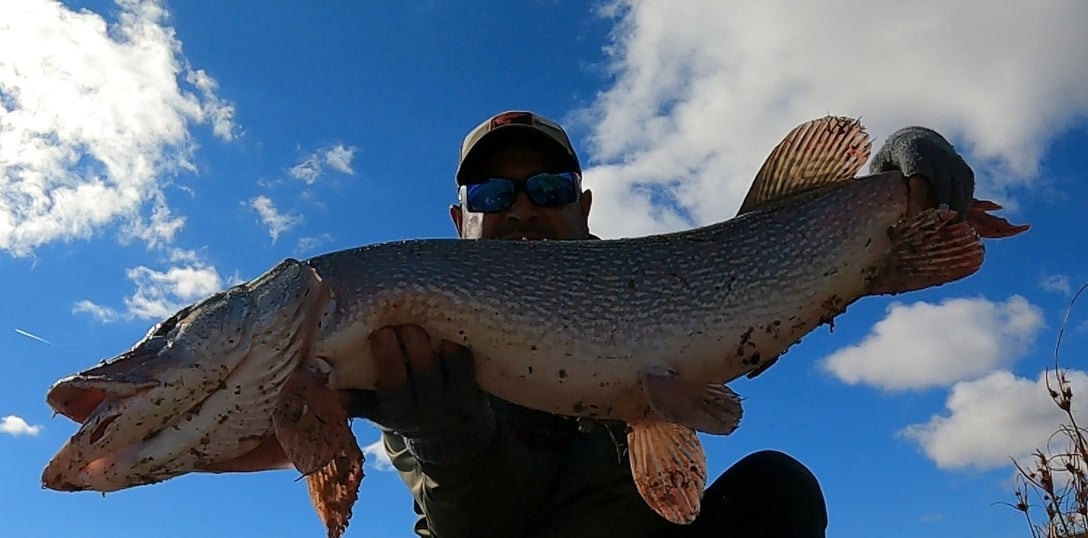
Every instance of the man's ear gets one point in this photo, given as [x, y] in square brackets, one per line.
[456, 216]
[586, 200]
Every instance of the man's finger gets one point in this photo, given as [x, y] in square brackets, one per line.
[389, 361]
[417, 348]
[459, 366]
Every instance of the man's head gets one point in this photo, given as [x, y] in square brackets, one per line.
[519, 176]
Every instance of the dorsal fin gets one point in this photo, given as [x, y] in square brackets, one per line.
[813, 154]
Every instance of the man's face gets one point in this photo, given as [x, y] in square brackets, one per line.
[523, 219]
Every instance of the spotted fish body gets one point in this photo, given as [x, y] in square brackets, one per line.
[567, 327]
[645, 330]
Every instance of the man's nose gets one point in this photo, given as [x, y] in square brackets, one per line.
[523, 208]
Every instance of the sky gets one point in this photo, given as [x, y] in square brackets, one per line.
[152, 153]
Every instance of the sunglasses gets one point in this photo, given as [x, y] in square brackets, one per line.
[498, 194]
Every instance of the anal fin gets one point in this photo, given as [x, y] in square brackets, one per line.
[706, 407]
[314, 430]
[669, 468]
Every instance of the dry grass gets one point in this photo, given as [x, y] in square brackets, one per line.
[1055, 484]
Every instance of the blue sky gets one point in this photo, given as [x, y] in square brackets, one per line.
[150, 157]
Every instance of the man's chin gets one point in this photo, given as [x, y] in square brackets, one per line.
[525, 237]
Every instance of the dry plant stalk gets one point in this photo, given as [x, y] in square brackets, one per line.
[1057, 482]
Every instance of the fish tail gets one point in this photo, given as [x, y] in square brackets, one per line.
[991, 226]
[928, 250]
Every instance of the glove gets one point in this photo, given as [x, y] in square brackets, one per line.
[921, 151]
[429, 398]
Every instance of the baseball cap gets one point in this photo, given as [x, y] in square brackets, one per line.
[514, 123]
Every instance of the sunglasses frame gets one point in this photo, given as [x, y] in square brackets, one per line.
[574, 177]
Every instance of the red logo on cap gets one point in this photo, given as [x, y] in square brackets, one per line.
[522, 118]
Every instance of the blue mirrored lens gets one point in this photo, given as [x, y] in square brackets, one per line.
[492, 195]
[551, 189]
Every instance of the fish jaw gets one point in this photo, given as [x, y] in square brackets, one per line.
[194, 392]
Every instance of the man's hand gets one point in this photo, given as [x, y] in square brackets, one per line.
[428, 397]
[918, 151]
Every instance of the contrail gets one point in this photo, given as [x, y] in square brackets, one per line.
[34, 336]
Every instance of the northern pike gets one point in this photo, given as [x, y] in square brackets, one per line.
[645, 330]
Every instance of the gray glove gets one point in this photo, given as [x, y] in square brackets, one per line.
[441, 413]
[921, 151]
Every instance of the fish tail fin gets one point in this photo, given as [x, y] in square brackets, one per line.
[991, 226]
[929, 250]
[668, 464]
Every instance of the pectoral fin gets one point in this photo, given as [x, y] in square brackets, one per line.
[669, 468]
[335, 487]
[314, 430]
[706, 407]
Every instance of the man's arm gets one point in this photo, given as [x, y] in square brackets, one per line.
[469, 474]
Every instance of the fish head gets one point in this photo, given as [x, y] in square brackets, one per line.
[161, 408]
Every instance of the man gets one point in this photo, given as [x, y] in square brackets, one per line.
[477, 466]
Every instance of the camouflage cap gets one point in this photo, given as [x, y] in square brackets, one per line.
[515, 122]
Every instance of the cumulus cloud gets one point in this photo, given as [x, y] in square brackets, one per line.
[338, 157]
[276, 222]
[703, 90]
[159, 294]
[376, 456]
[994, 418]
[934, 344]
[93, 115]
[16, 425]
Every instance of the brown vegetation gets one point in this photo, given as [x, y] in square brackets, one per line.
[1056, 481]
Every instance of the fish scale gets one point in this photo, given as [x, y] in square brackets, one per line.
[642, 330]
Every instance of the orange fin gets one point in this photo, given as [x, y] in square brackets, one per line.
[929, 250]
[814, 154]
[314, 430]
[706, 407]
[669, 468]
[335, 487]
[991, 226]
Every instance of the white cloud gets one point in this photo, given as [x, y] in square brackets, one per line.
[15, 425]
[92, 117]
[307, 244]
[1057, 283]
[703, 90]
[308, 170]
[995, 418]
[925, 344]
[277, 222]
[376, 456]
[159, 294]
[338, 157]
